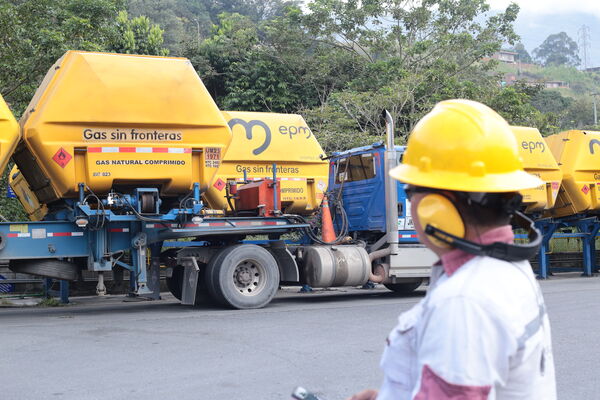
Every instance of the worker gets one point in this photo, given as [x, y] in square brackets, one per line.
[482, 331]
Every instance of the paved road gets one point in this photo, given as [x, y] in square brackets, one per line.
[329, 342]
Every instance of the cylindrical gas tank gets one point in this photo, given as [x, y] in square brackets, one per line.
[330, 266]
[120, 121]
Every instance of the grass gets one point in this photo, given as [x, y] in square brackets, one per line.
[50, 302]
[568, 245]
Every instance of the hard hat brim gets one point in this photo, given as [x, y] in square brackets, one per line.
[462, 182]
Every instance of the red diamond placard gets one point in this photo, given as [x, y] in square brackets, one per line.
[219, 184]
[585, 189]
[62, 157]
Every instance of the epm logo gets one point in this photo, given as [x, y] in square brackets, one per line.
[592, 143]
[290, 131]
[248, 126]
[533, 146]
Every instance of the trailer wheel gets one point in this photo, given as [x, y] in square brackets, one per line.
[404, 288]
[243, 276]
[50, 268]
[175, 285]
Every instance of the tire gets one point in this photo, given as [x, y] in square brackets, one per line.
[211, 274]
[243, 277]
[50, 268]
[404, 288]
[175, 284]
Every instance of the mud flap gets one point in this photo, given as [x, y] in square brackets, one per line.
[191, 273]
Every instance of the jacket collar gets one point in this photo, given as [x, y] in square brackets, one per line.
[454, 259]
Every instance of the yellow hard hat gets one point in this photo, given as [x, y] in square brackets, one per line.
[463, 145]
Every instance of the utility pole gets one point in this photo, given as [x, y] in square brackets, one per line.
[584, 44]
[198, 25]
[595, 108]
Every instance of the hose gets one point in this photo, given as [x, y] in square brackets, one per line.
[337, 210]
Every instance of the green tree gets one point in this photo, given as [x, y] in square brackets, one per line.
[269, 66]
[522, 54]
[420, 53]
[551, 101]
[256, 10]
[183, 21]
[35, 33]
[579, 114]
[137, 36]
[558, 49]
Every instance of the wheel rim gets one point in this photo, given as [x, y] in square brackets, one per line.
[249, 277]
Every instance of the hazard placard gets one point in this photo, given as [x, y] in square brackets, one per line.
[219, 184]
[585, 189]
[62, 157]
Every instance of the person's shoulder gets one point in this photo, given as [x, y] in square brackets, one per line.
[497, 285]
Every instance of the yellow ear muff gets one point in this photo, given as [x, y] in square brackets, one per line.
[438, 211]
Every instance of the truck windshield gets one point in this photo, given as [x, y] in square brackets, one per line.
[355, 168]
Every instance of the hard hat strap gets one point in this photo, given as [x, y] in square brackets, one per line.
[499, 250]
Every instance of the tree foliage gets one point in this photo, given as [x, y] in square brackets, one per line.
[35, 33]
[558, 49]
[342, 62]
[522, 54]
[137, 36]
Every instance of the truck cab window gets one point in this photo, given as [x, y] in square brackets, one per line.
[355, 168]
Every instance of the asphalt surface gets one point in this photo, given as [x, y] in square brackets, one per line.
[329, 342]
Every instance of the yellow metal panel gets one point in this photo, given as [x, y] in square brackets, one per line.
[539, 161]
[27, 198]
[261, 139]
[578, 154]
[124, 120]
[9, 134]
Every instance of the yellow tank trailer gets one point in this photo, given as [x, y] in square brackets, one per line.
[578, 154]
[120, 121]
[539, 161]
[9, 134]
[259, 141]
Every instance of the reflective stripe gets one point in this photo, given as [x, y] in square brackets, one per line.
[532, 327]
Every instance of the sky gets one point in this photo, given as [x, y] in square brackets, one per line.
[540, 18]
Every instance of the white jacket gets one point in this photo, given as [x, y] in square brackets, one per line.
[482, 333]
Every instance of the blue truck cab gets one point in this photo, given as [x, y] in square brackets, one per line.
[359, 175]
[378, 212]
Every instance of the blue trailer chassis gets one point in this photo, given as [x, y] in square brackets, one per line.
[101, 236]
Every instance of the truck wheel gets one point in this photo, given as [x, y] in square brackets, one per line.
[243, 276]
[175, 285]
[403, 288]
[51, 268]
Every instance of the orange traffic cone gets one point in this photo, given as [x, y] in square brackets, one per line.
[328, 232]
